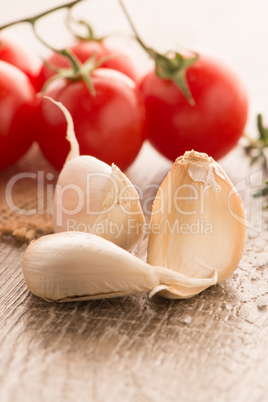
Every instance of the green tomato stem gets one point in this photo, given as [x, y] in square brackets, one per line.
[89, 36]
[76, 72]
[32, 20]
[166, 67]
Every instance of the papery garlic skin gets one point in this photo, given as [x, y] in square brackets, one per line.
[79, 266]
[202, 220]
[94, 197]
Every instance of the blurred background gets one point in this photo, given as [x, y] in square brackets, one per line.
[234, 31]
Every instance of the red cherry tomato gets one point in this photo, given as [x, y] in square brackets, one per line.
[16, 107]
[108, 125]
[16, 53]
[213, 125]
[83, 50]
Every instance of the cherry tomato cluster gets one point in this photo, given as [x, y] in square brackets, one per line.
[113, 119]
[109, 123]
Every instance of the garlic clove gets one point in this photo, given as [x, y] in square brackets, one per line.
[79, 266]
[198, 224]
[94, 197]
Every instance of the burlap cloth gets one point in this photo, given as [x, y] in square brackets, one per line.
[26, 197]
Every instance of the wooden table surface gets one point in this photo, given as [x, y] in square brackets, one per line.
[213, 347]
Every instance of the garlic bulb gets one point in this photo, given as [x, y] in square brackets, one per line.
[91, 196]
[198, 221]
[80, 266]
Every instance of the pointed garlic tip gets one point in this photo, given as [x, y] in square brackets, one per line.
[93, 197]
[198, 225]
[70, 134]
